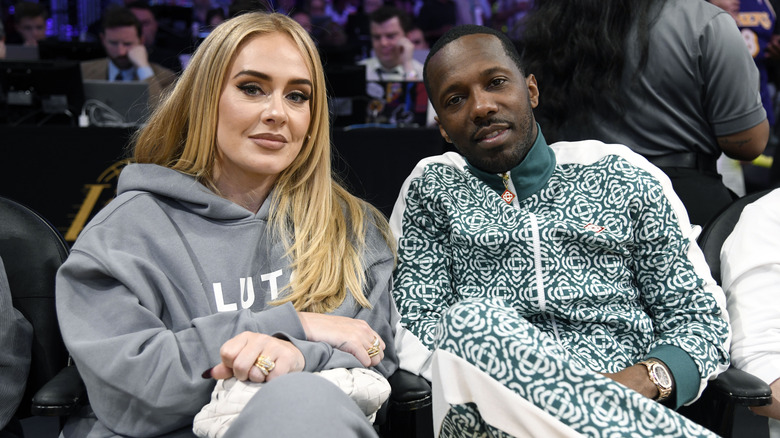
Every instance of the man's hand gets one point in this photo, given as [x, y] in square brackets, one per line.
[406, 52]
[636, 378]
[771, 410]
[773, 48]
[138, 56]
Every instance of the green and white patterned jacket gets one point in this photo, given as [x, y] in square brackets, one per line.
[595, 250]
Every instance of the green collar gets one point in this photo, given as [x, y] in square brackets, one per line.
[530, 175]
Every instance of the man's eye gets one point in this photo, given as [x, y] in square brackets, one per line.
[497, 81]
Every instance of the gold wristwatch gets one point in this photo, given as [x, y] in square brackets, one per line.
[660, 376]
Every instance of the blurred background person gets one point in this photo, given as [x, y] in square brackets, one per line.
[393, 58]
[670, 79]
[358, 27]
[2, 41]
[303, 18]
[127, 58]
[29, 23]
[417, 37]
[508, 16]
[756, 20]
[159, 54]
[436, 17]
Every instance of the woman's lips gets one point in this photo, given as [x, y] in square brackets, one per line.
[269, 141]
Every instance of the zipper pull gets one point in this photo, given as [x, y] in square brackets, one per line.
[507, 196]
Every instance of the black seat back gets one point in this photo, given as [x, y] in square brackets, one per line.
[32, 251]
[715, 232]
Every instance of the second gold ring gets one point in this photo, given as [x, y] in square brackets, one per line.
[265, 364]
[375, 348]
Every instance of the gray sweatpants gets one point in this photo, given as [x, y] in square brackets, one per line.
[301, 405]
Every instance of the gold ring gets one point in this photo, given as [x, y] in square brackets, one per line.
[265, 364]
[374, 349]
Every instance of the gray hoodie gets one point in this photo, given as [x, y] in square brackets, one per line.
[161, 278]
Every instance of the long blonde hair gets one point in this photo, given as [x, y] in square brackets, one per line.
[322, 225]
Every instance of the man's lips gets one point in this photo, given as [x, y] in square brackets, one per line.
[490, 134]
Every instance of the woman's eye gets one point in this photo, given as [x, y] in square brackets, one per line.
[250, 89]
[298, 97]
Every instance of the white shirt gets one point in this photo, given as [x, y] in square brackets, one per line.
[375, 71]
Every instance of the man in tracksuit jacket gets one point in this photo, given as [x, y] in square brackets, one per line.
[552, 290]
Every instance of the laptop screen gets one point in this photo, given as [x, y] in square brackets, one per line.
[21, 53]
[122, 103]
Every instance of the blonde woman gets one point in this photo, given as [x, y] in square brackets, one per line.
[230, 248]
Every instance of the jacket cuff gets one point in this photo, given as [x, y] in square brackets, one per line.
[320, 356]
[144, 73]
[683, 369]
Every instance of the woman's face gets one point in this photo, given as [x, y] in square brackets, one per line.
[263, 113]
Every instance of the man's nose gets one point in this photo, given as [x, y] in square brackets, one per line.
[484, 105]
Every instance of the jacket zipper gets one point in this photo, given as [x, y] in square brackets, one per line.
[537, 249]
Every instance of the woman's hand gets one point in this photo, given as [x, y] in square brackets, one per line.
[240, 353]
[353, 336]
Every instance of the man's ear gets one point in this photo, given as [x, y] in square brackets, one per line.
[442, 131]
[533, 90]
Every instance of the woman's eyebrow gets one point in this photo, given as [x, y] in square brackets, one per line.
[265, 77]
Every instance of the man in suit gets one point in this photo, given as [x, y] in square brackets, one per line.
[393, 52]
[158, 51]
[127, 59]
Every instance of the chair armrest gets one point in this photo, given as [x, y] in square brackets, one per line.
[61, 395]
[409, 391]
[742, 388]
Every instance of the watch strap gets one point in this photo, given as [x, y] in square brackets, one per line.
[652, 365]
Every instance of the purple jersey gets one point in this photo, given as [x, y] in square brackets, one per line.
[756, 20]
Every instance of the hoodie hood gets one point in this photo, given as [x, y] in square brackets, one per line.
[186, 190]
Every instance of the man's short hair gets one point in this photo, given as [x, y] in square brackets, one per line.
[471, 29]
[29, 10]
[385, 13]
[120, 17]
[140, 4]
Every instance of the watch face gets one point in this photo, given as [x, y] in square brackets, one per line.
[661, 376]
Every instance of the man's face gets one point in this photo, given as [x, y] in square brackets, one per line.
[32, 29]
[417, 38]
[385, 39]
[484, 104]
[117, 42]
[148, 24]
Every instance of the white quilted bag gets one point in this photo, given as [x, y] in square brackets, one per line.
[367, 388]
